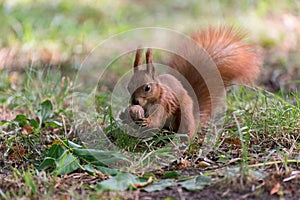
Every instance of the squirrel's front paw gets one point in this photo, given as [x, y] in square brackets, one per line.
[136, 112]
[145, 122]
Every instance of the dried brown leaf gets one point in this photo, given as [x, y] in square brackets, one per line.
[275, 189]
[203, 164]
[26, 130]
[149, 181]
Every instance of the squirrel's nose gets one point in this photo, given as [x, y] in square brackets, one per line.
[135, 101]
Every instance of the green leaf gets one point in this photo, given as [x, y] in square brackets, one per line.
[56, 151]
[73, 145]
[45, 111]
[120, 182]
[21, 120]
[47, 162]
[197, 183]
[2, 123]
[34, 123]
[106, 170]
[161, 185]
[148, 175]
[54, 124]
[102, 158]
[67, 163]
[89, 169]
[171, 174]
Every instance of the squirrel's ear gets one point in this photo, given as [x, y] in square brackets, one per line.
[150, 66]
[138, 59]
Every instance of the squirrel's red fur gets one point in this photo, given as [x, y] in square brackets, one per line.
[236, 61]
[169, 103]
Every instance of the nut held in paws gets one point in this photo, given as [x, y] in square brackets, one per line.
[136, 112]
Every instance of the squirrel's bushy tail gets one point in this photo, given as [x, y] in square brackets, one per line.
[236, 61]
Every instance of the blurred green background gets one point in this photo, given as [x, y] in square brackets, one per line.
[62, 32]
[42, 44]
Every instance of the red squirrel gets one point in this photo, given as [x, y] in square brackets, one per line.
[162, 101]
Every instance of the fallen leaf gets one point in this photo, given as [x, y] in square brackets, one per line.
[197, 183]
[26, 130]
[275, 189]
[16, 153]
[149, 181]
[233, 141]
[66, 163]
[161, 185]
[203, 164]
[120, 182]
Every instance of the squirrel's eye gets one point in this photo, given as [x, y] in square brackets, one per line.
[147, 88]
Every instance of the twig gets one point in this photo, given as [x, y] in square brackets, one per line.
[273, 163]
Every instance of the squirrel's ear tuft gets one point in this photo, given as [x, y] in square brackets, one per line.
[138, 59]
[150, 65]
